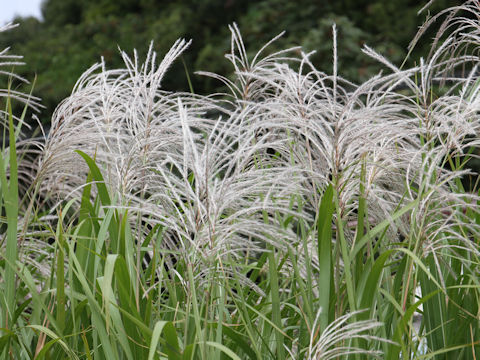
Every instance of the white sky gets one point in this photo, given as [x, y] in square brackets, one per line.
[10, 8]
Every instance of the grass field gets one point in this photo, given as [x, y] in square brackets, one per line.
[296, 216]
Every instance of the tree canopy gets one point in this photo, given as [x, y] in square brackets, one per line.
[73, 35]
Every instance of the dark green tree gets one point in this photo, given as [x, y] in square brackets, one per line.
[75, 34]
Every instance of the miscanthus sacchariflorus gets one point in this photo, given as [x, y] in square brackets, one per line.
[298, 215]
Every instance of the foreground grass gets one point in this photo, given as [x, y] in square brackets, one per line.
[314, 219]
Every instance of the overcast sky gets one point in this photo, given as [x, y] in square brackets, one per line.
[10, 8]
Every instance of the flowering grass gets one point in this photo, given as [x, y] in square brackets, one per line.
[298, 216]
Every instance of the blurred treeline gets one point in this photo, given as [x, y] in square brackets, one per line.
[74, 34]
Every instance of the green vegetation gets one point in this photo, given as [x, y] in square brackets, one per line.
[297, 216]
[74, 34]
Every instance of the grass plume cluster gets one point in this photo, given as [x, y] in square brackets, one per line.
[296, 216]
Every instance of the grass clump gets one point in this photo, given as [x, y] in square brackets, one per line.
[297, 216]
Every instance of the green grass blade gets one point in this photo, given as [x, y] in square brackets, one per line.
[223, 348]
[10, 196]
[368, 292]
[61, 300]
[324, 241]
[381, 227]
[275, 296]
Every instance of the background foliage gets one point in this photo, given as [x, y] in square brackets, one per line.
[74, 34]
